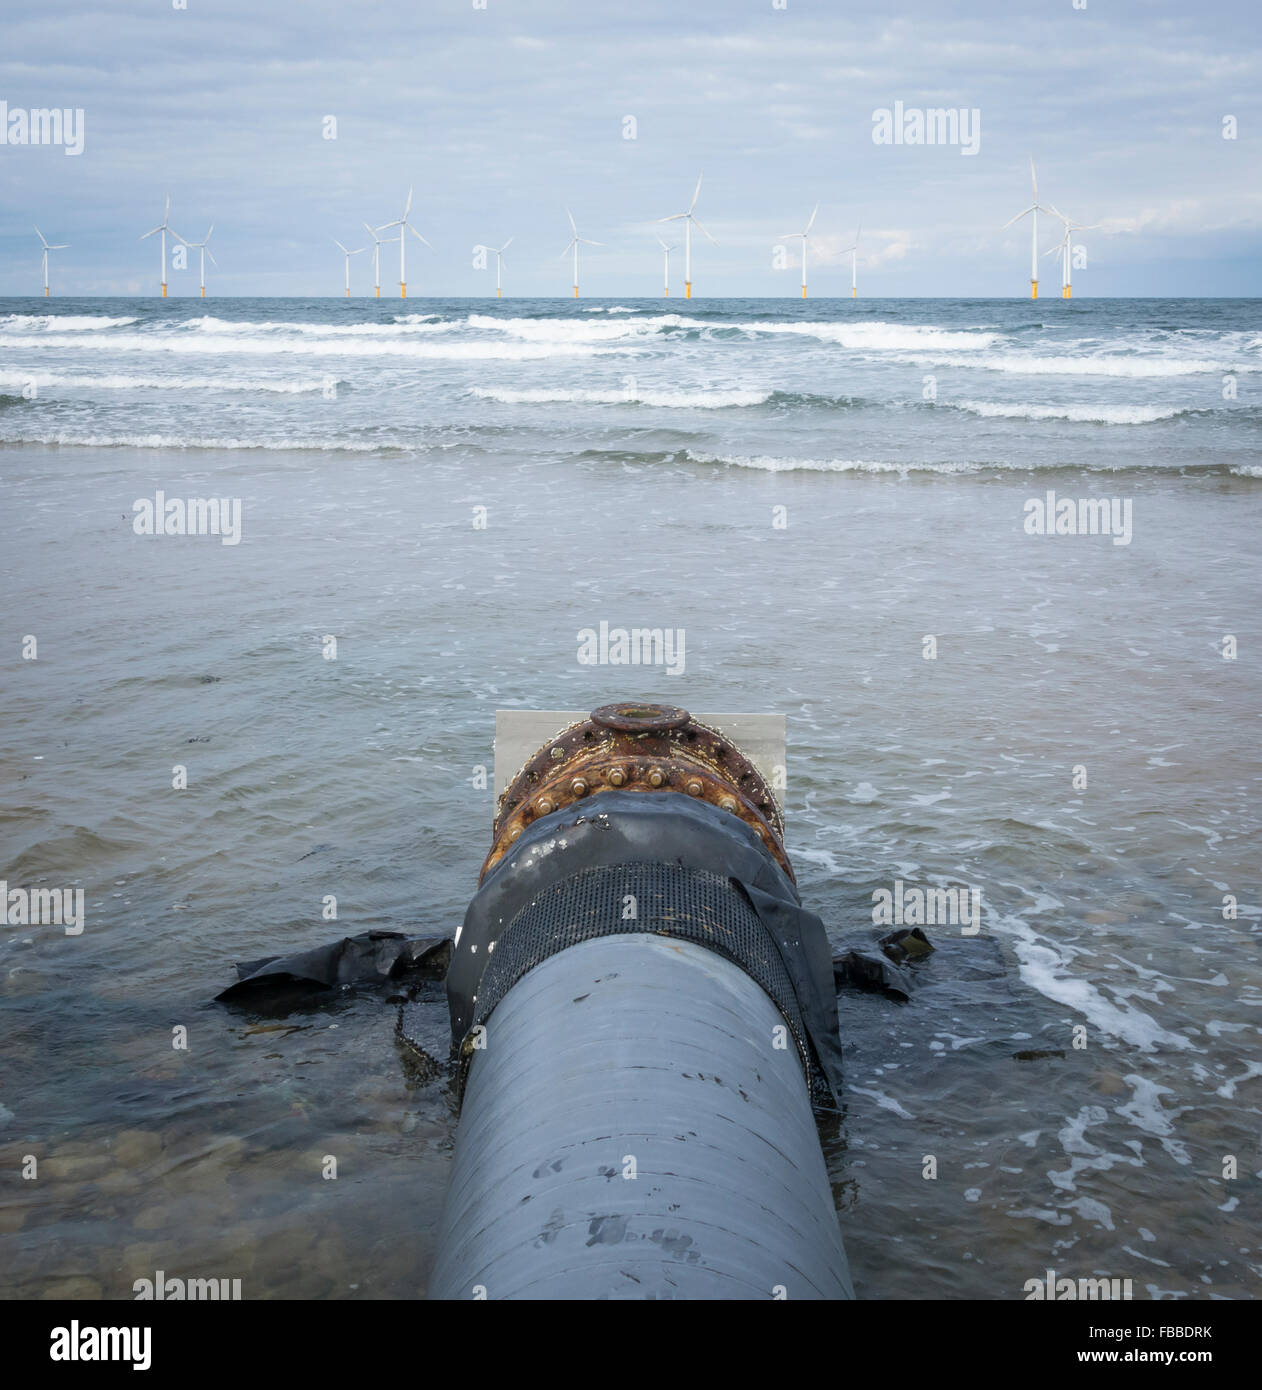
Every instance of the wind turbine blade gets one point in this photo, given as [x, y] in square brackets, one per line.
[1034, 181]
[586, 242]
[210, 229]
[416, 234]
[62, 246]
[1017, 218]
[166, 212]
[147, 234]
[39, 234]
[407, 206]
[674, 217]
[811, 223]
[703, 231]
[340, 247]
[573, 224]
[505, 247]
[569, 247]
[210, 253]
[697, 193]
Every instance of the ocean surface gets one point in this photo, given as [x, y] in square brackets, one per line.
[811, 491]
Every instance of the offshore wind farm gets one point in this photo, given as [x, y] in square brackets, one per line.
[402, 227]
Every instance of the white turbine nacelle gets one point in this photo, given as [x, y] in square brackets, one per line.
[49, 246]
[574, 243]
[689, 222]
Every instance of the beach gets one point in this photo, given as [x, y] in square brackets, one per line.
[453, 490]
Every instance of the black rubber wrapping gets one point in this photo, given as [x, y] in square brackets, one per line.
[636, 832]
[665, 899]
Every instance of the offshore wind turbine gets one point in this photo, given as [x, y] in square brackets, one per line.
[164, 227]
[348, 255]
[377, 244]
[575, 240]
[200, 246]
[1031, 211]
[689, 222]
[404, 227]
[667, 248]
[47, 248]
[499, 265]
[805, 235]
[1065, 249]
[853, 253]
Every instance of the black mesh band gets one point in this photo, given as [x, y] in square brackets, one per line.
[669, 900]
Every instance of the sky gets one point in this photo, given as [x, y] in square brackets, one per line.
[503, 113]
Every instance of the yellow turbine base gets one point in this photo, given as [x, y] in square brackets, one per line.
[164, 290]
[575, 291]
[1034, 289]
[348, 291]
[1065, 293]
[45, 291]
[854, 294]
[499, 294]
[403, 291]
[203, 291]
[378, 291]
[687, 289]
[803, 291]
[666, 292]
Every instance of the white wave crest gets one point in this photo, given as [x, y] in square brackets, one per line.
[1085, 366]
[698, 400]
[769, 464]
[220, 345]
[89, 440]
[158, 383]
[62, 323]
[877, 336]
[581, 330]
[1077, 414]
[402, 326]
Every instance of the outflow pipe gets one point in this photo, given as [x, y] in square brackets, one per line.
[645, 1015]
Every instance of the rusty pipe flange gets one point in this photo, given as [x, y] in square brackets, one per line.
[630, 747]
[640, 719]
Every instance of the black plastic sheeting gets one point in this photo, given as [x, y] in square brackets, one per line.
[372, 957]
[670, 828]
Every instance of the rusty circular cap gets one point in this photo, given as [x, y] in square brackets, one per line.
[640, 719]
[642, 748]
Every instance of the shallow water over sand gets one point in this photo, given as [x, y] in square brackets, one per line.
[1102, 906]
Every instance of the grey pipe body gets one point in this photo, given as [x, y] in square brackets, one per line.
[636, 1124]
